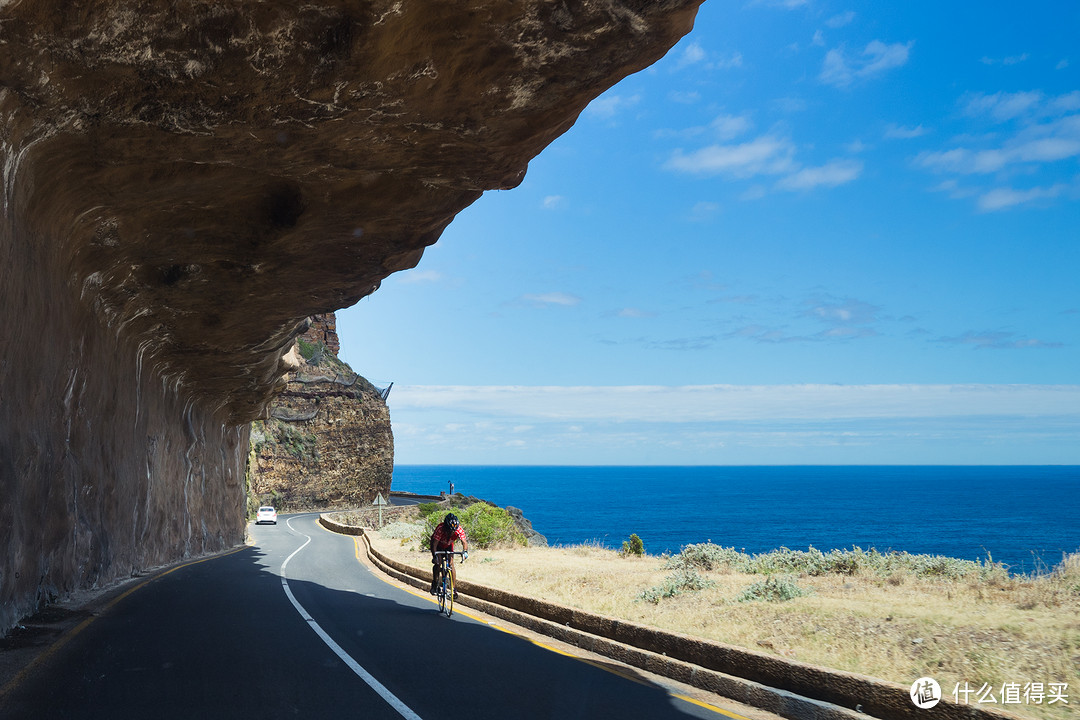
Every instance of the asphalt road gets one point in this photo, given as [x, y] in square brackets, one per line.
[297, 627]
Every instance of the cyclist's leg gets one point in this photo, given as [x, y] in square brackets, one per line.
[453, 574]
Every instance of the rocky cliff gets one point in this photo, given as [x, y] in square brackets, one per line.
[327, 441]
[183, 183]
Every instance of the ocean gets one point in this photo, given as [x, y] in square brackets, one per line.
[1025, 517]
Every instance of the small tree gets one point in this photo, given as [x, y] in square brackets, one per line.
[633, 546]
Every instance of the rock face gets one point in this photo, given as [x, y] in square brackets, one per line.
[327, 443]
[184, 183]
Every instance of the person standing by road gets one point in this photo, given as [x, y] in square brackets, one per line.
[443, 538]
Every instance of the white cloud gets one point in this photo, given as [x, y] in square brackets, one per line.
[635, 313]
[729, 127]
[692, 54]
[703, 211]
[1001, 106]
[1062, 64]
[766, 155]
[840, 70]
[997, 340]
[726, 62]
[740, 403]
[899, 132]
[1009, 60]
[839, 21]
[832, 174]
[1003, 198]
[552, 298]
[606, 107]
[1045, 142]
[552, 202]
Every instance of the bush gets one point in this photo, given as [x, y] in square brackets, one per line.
[679, 582]
[708, 556]
[633, 546]
[427, 509]
[485, 525]
[772, 589]
[814, 562]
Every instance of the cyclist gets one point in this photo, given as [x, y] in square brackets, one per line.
[443, 538]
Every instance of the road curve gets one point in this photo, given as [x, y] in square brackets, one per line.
[295, 626]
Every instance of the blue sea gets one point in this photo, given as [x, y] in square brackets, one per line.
[1026, 517]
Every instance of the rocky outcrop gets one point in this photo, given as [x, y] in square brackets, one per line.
[327, 442]
[183, 183]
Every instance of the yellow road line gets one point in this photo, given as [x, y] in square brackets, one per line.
[614, 671]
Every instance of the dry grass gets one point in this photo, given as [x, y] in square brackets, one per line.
[897, 627]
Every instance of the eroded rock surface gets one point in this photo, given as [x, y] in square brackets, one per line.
[183, 183]
[327, 441]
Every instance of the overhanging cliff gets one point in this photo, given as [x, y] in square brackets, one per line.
[183, 183]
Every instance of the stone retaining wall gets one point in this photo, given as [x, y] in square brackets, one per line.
[775, 684]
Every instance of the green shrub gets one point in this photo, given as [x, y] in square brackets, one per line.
[814, 562]
[708, 556]
[633, 546]
[772, 589]
[485, 525]
[681, 581]
[427, 509]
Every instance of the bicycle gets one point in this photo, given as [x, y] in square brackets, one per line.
[445, 589]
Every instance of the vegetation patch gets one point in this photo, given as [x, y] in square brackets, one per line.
[772, 589]
[486, 525]
[633, 546]
[681, 581]
[814, 563]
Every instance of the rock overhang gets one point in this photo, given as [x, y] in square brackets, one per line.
[209, 175]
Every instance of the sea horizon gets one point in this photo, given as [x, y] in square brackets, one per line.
[1025, 516]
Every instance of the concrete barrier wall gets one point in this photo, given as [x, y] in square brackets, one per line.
[744, 675]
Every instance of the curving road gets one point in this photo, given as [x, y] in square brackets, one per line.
[297, 627]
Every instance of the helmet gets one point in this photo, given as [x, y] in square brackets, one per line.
[451, 521]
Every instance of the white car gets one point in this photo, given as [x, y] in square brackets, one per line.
[266, 514]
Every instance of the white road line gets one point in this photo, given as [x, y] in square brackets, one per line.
[402, 709]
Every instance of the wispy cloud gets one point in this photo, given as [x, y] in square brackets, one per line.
[553, 202]
[551, 298]
[729, 127]
[1031, 130]
[848, 311]
[692, 54]
[764, 155]
[900, 132]
[634, 313]
[841, 69]
[831, 174]
[1008, 60]
[607, 107]
[1004, 198]
[713, 403]
[703, 211]
[997, 340]
[840, 20]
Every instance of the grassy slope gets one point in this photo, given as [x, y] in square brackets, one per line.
[897, 627]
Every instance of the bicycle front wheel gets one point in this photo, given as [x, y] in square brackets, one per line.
[444, 597]
[449, 594]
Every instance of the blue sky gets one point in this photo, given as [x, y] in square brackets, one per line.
[815, 232]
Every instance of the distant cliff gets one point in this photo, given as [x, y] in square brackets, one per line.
[327, 442]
